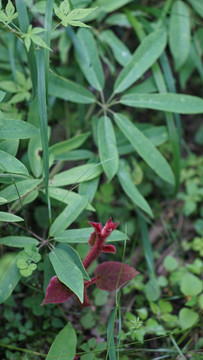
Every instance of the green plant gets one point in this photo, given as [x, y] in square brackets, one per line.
[78, 80]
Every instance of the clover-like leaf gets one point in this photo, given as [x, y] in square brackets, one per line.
[112, 275]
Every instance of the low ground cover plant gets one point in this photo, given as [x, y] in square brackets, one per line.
[100, 123]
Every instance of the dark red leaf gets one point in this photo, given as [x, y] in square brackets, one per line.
[56, 292]
[92, 239]
[112, 274]
[109, 249]
[97, 226]
[109, 227]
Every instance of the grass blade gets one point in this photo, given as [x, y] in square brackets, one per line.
[42, 108]
[177, 347]
[111, 350]
[147, 248]
[47, 36]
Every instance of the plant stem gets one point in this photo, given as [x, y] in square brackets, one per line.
[23, 350]
[30, 231]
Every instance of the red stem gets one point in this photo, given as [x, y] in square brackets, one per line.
[92, 281]
[94, 252]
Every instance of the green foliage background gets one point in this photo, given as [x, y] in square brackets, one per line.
[101, 108]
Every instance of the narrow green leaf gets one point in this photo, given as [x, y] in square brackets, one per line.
[18, 241]
[42, 108]
[94, 72]
[112, 5]
[17, 129]
[147, 86]
[35, 155]
[3, 201]
[68, 215]
[89, 188]
[179, 33]
[75, 155]
[82, 235]
[68, 90]
[10, 146]
[67, 272]
[47, 37]
[197, 6]
[2, 94]
[178, 103]
[66, 196]
[9, 280]
[147, 248]
[7, 217]
[77, 45]
[64, 345]
[70, 144]
[107, 147]
[22, 188]
[110, 335]
[76, 175]
[131, 190]
[144, 57]
[145, 148]
[120, 51]
[177, 347]
[74, 257]
[10, 164]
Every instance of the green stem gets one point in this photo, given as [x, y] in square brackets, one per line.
[177, 347]
[23, 350]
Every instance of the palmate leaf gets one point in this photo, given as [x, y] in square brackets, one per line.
[112, 275]
[9, 14]
[71, 17]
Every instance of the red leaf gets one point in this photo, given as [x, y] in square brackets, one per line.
[92, 239]
[97, 226]
[109, 227]
[109, 249]
[110, 272]
[56, 292]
